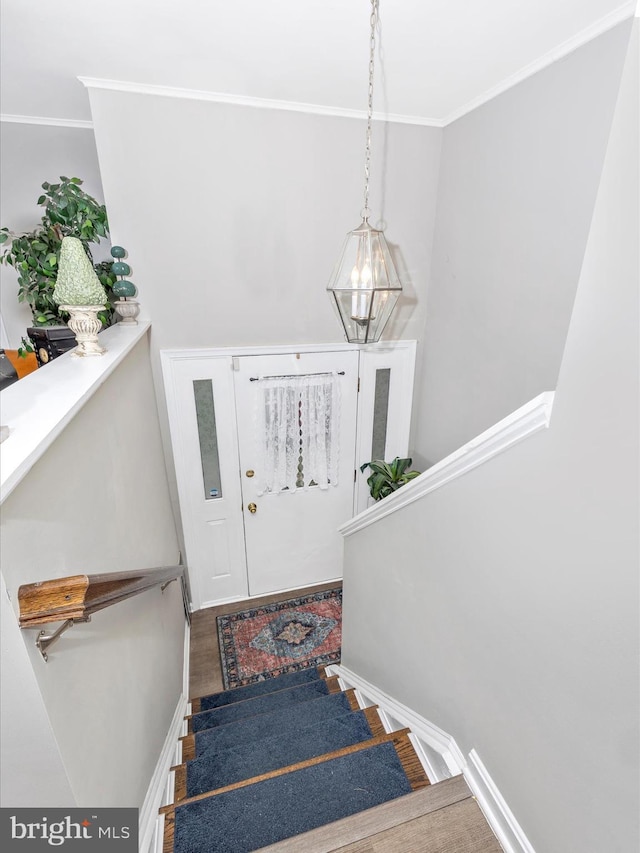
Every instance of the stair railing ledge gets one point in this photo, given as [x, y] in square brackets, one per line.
[524, 422]
[36, 409]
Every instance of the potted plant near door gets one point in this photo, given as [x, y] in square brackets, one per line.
[68, 212]
[388, 477]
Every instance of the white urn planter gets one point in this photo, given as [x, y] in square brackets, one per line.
[127, 310]
[85, 325]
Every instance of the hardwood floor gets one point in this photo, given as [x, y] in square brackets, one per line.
[205, 672]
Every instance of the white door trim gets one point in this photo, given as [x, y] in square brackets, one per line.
[281, 349]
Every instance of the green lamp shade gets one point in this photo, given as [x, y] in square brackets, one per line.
[117, 252]
[120, 268]
[124, 288]
[77, 282]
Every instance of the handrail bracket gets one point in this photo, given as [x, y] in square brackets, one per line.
[44, 640]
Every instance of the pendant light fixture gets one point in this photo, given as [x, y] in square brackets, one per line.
[364, 283]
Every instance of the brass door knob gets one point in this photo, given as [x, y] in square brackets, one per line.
[252, 508]
[250, 473]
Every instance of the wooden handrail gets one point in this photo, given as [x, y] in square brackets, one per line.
[77, 597]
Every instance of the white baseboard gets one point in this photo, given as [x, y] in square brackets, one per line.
[430, 736]
[498, 814]
[158, 840]
[148, 820]
[429, 739]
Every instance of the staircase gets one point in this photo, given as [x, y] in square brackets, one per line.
[294, 765]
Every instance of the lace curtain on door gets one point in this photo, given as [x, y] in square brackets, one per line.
[298, 422]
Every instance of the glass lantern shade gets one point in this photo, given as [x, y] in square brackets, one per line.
[364, 284]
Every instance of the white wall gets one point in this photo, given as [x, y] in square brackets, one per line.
[504, 607]
[32, 154]
[518, 180]
[97, 501]
[234, 216]
[39, 776]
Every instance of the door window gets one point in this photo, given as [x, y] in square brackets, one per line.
[208, 437]
[380, 413]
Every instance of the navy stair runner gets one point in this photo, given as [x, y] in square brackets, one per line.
[259, 688]
[263, 725]
[260, 814]
[217, 769]
[274, 759]
[258, 705]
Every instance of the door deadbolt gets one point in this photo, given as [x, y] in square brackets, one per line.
[250, 473]
[252, 508]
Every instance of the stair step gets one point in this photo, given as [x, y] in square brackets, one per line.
[261, 704]
[400, 739]
[257, 727]
[254, 815]
[259, 688]
[247, 760]
[434, 800]
[461, 826]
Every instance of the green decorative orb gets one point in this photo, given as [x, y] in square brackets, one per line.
[124, 288]
[117, 252]
[120, 268]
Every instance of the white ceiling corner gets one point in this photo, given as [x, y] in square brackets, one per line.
[437, 59]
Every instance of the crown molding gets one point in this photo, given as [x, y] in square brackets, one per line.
[624, 12]
[47, 120]
[598, 28]
[248, 101]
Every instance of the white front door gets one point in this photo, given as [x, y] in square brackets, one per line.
[296, 416]
[216, 417]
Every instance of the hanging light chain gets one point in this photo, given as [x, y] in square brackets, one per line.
[367, 158]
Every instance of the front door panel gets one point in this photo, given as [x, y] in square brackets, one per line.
[291, 521]
[203, 431]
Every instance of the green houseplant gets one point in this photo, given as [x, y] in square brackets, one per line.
[388, 477]
[68, 212]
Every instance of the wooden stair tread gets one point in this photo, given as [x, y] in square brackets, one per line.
[373, 822]
[404, 748]
[373, 718]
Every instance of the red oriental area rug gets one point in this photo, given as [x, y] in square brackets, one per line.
[284, 637]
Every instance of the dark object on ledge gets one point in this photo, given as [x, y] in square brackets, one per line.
[51, 341]
[8, 373]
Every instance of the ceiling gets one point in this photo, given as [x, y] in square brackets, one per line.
[438, 58]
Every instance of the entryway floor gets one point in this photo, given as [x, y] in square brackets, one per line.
[205, 672]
